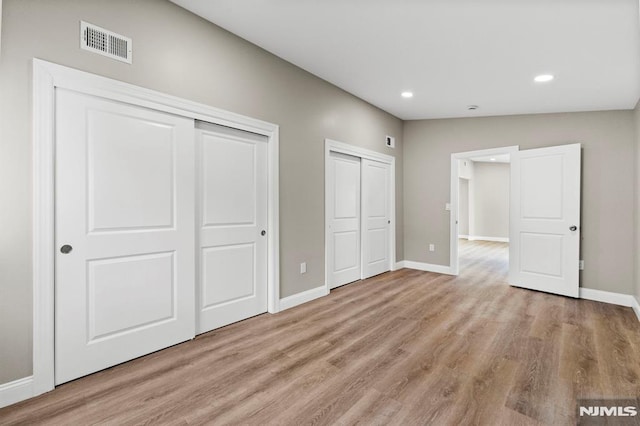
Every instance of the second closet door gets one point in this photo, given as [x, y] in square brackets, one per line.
[359, 210]
[375, 217]
[232, 227]
[343, 190]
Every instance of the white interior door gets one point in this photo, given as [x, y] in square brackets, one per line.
[233, 222]
[124, 233]
[343, 198]
[375, 217]
[545, 219]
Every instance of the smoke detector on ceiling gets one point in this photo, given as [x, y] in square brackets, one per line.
[105, 42]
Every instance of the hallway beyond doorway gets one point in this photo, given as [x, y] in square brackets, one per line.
[484, 255]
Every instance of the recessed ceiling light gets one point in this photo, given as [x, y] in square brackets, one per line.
[543, 78]
[493, 159]
[407, 95]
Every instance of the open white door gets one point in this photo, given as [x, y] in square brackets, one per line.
[375, 218]
[124, 233]
[545, 219]
[232, 225]
[343, 198]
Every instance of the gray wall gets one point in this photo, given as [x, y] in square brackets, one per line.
[178, 53]
[608, 159]
[491, 199]
[463, 206]
[636, 116]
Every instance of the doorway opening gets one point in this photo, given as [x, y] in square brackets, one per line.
[480, 192]
[544, 216]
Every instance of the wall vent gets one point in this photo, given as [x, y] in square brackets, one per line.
[390, 141]
[105, 42]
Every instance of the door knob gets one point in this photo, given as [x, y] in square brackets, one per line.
[263, 233]
[573, 228]
[66, 249]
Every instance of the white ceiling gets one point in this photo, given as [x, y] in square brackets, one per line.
[452, 53]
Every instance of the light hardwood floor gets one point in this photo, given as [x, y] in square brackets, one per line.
[406, 348]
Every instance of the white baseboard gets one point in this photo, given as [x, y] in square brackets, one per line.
[398, 265]
[16, 391]
[481, 238]
[636, 307]
[585, 293]
[466, 237]
[304, 297]
[610, 297]
[440, 269]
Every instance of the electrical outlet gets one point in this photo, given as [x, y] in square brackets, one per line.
[581, 265]
[432, 247]
[303, 268]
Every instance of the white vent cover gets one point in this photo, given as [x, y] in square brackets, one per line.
[105, 42]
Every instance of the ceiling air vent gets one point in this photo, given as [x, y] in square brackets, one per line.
[104, 42]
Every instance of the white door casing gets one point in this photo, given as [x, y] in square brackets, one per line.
[232, 183]
[375, 217]
[454, 264]
[343, 195]
[545, 219]
[125, 204]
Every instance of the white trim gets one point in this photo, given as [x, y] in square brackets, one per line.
[356, 151]
[43, 228]
[48, 76]
[481, 238]
[273, 224]
[398, 265]
[343, 148]
[636, 307]
[0, 26]
[627, 300]
[428, 267]
[303, 297]
[454, 264]
[16, 391]
[607, 297]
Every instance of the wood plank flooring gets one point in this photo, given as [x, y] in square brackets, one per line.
[406, 348]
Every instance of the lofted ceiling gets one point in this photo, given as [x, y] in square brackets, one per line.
[452, 53]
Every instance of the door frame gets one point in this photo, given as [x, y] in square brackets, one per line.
[46, 78]
[343, 148]
[454, 261]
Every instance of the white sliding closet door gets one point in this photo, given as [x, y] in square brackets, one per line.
[343, 196]
[375, 217]
[232, 225]
[124, 233]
